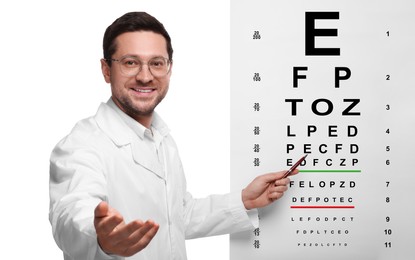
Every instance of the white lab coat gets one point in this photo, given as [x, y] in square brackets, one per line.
[104, 159]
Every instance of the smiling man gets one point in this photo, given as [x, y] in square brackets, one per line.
[117, 187]
[137, 91]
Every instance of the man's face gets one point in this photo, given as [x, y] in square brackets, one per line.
[139, 94]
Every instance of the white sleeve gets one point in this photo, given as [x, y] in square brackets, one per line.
[216, 215]
[77, 185]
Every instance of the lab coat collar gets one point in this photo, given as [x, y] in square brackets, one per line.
[136, 127]
[139, 129]
[110, 122]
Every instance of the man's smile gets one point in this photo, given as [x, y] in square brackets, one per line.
[143, 90]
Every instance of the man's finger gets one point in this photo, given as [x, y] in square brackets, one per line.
[281, 174]
[106, 219]
[123, 233]
[273, 176]
[282, 182]
[101, 210]
[148, 225]
[145, 235]
[281, 188]
[133, 237]
[294, 172]
[275, 195]
[108, 224]
[270, 177]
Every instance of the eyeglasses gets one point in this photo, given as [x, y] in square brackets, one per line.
[131, 65]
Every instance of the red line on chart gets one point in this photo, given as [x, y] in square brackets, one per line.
[322, 207]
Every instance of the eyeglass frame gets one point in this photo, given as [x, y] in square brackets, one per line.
[168, 61]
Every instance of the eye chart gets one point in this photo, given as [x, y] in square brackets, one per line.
[334, 80]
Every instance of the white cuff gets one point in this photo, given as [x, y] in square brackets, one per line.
[253, 217]
[241, 212]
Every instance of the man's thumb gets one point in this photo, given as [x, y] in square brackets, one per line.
[101, 210]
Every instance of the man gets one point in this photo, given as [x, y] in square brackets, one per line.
[117, 186]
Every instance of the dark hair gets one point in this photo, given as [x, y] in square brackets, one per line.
[131, 22]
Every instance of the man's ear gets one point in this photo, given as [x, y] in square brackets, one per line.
[106, 71]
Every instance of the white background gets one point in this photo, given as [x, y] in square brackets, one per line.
[51, 78]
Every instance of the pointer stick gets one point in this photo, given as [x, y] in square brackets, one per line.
[294, 166]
